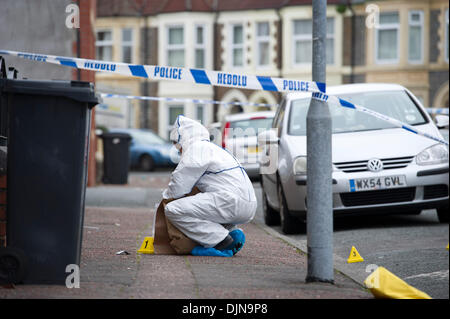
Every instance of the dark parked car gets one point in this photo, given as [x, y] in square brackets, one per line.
[148, 150]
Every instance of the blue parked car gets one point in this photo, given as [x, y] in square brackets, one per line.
[148, 150]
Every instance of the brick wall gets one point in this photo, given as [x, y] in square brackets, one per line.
[149, 55]
[434, 35]
[87, 51]
[354, 53]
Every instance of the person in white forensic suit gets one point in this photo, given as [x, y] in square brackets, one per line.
[226, 199]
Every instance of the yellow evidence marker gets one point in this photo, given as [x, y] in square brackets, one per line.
[354, 257]
[147, 246]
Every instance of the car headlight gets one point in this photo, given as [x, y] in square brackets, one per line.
[300, 165]
[435, 154]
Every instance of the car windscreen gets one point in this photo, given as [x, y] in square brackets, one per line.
[395, 104]
[147, 138]
[250, 127]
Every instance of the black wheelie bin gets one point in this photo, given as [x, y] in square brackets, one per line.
[47, 161]
[116, 157]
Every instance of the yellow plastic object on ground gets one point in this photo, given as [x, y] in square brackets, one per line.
[384, 284]
[354, 257]
[147, 246]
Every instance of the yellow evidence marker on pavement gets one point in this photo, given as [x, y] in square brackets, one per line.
[147, 246]
[354, 257]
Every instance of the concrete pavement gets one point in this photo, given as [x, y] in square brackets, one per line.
[266, 268]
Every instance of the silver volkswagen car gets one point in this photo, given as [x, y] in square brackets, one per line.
[377, 168]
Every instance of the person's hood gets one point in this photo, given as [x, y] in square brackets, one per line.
[187, 131]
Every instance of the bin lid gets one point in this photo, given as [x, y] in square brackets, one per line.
[76, 90]
[116, 135]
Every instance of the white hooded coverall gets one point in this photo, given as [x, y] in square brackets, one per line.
[227, 195]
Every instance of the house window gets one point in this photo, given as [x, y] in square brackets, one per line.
[415, 42]
[303, 41]
[200, 47]
[173, 112]
[200, 113]
[103, 45]
[262, 43]
[237, 45]
[127, 45]
[175, 46]
[387, 41]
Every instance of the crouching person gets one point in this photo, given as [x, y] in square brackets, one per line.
[226, 197]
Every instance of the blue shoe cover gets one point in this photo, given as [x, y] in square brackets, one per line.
[202, 251]
[239, 241]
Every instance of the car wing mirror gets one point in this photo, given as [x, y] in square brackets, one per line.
[441, 121]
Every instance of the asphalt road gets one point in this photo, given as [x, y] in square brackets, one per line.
[411, 247]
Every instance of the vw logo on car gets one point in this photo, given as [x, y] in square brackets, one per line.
[375, 165]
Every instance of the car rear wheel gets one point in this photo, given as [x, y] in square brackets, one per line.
[146, 163]
[271, 216]
[289, 224]
[443, 214]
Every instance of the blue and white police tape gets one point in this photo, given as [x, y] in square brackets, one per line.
[198, 76]
[182, 100]
[214, 78]
[433, 110]
[407, 127]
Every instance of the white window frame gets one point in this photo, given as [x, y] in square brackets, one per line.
[262, 39]
[234, 46]
[390, 26]
[200, 46]
[104, 43]
[170, 47]
[299, 37]
[446, 36]
[127, 44]
[308, 38]
[416, 24]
